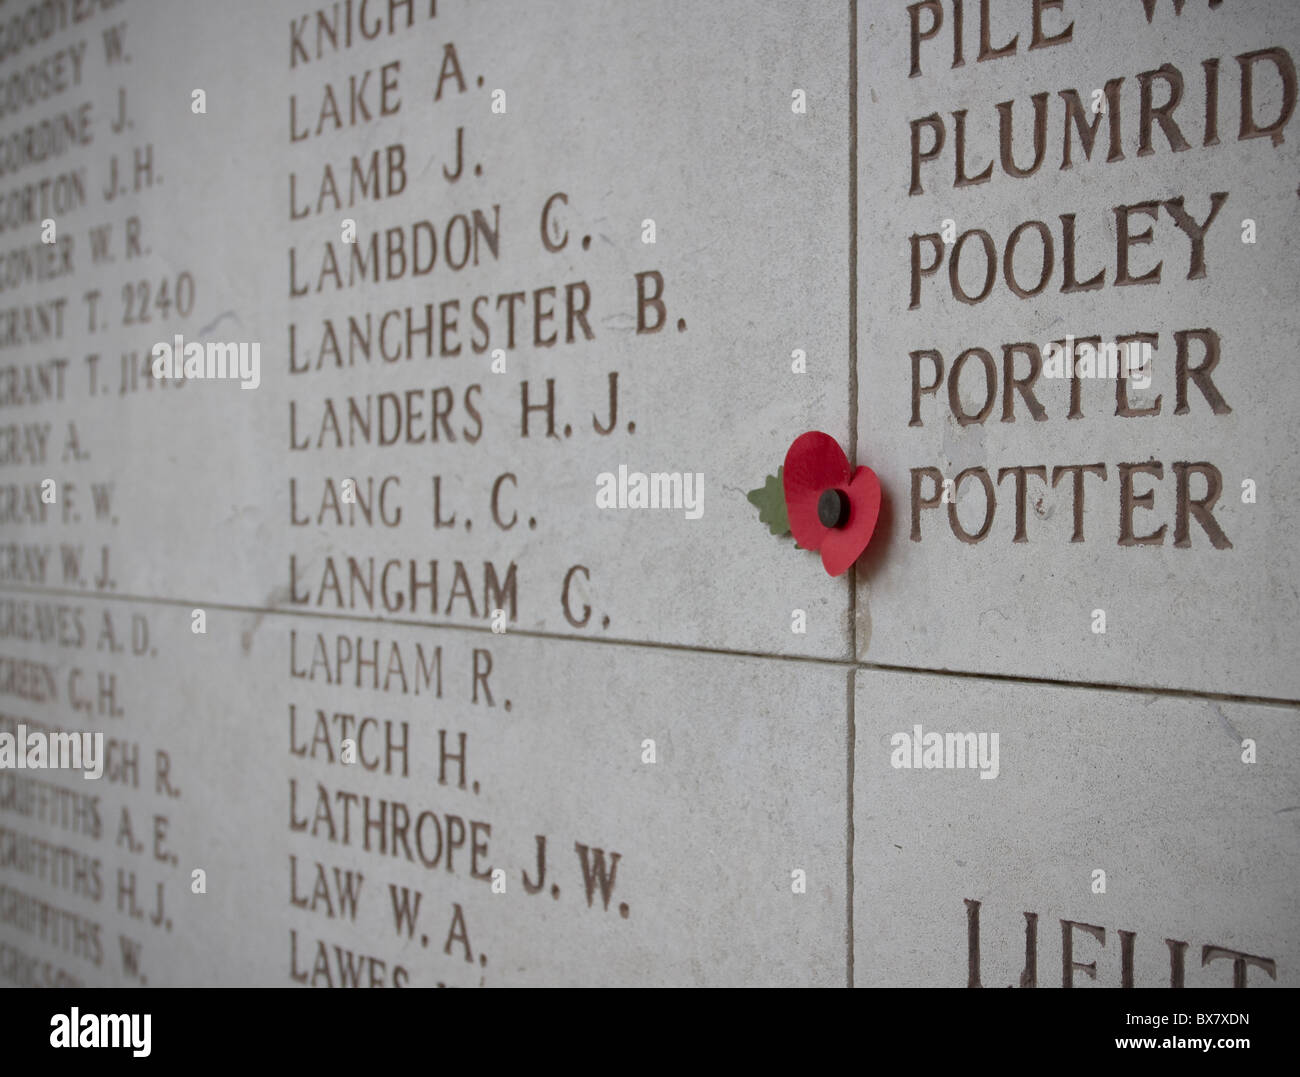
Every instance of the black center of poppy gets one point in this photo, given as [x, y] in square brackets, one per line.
[833, 508]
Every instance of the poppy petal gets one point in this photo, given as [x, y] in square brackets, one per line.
[844, 545]
[814, 463]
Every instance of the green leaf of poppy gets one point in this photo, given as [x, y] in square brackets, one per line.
[770, 501]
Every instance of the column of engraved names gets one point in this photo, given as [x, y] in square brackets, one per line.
[361, 700]
[1023, 225]
[1147, 114]
[86, 787]
[405, 348]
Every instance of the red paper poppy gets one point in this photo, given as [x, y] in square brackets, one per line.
[832, 508]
